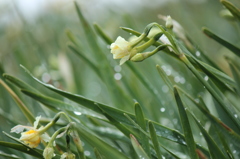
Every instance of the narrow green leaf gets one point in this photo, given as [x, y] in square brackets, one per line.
[186, 126]
[213, 148]
[234, 10]
[27, 113]
[165, 78]
[101, 33]
[102, 146]
[97, 154]
[223, 103]
[236, 76]
[220, 40]
[155, 140]
[140, 120]
[233, 136]
[172, 153]
[9, 155]
[21, 148]
[84, 58]
[138, 149]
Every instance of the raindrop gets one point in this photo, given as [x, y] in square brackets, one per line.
[206, 78]
[164, 67]
[235, 115]
[117, 76]
[175, 121]
[234, 151]
[117, 68]
[200, 134]
[162, 109]
[165, 88]
[87, 153]
[46, 77]
[168, 72]
[177, 79]
[198, 53]
[77, 113]
[182, 80]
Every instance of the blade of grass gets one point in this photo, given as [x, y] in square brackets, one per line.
[234, 10]
[186, 126]
[213, 147]
[155, 140]
[138, 149]
[223, 42]
[27, 113]
[236, 76]
[140, 120]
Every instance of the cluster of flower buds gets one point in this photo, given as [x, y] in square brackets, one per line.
[133, 50]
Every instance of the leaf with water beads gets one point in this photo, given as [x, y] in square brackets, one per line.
[138, 148]
[186, 126]
[213, 147]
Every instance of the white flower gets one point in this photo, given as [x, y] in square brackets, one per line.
[33, 136]
[165, 40]
[121, 49]
[48, 152]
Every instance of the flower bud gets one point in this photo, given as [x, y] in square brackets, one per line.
[169, 22]
[48, 152]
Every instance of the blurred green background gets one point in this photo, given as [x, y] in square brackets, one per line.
[33, 33]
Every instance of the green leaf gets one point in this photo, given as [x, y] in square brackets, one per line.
[27, 113]
[165, 78]
[220, 40]
[140, 120]
[97, 154]
[8, 155]
[186, 126]
[155, 140]
[138, 149]
[236, 76]
[213, 148]
[234, 10]
[172, 153]
[101, 33]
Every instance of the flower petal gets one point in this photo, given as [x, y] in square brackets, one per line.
[19, 128]
[45, 137]
[35, 124]
[124, 59]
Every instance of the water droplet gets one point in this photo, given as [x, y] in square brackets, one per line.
[117, 76]
[165, 88]
[162, 109]
[182, 80]
[234, 151]
[77, 113]
[235, 115]
[46, 77]
[175, 121]
[197, 100]
[177, 79]
[168, 72]
[87, 153]
[206, 78]
[198, 53]
[117, 68]
[164, 67]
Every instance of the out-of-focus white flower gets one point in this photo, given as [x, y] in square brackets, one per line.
[177, 28]
[169, 22]
[121, 49]
[48, 152]
[68, 155]
[165, 40]
[33, 136]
